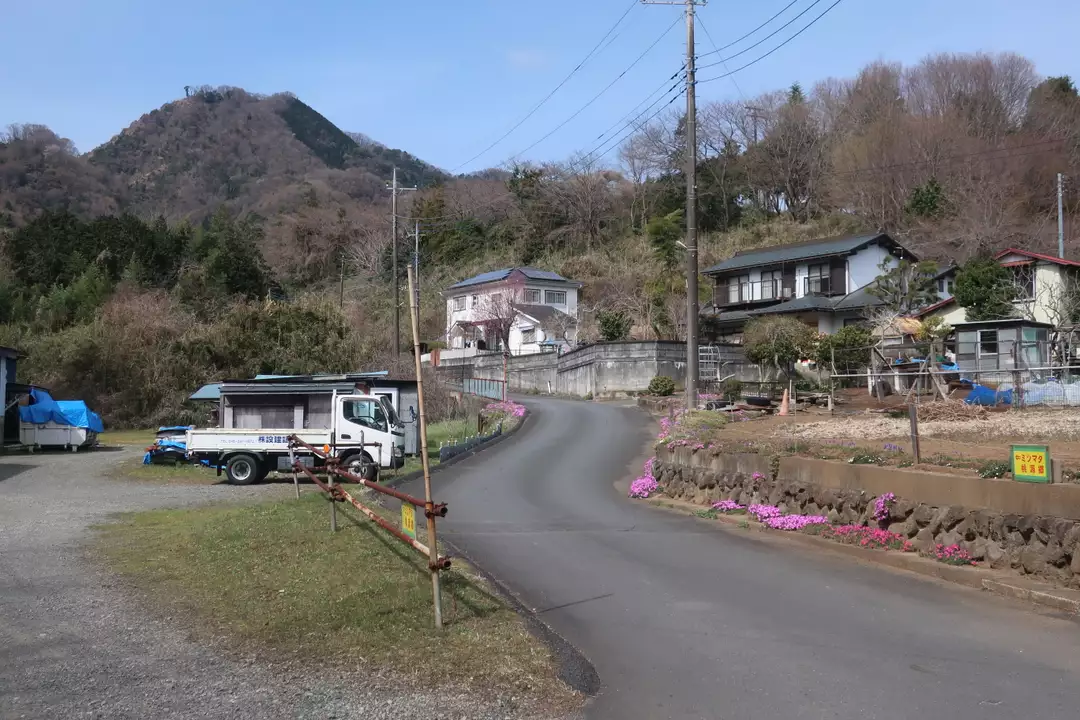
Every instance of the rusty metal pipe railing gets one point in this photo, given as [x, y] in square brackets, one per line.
[294, 441]
[338, 494]
[438, 508]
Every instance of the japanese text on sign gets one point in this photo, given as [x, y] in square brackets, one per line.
[408, 520]
[1031, 463]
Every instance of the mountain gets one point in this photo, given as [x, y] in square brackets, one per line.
[42, 171]
[253, 153]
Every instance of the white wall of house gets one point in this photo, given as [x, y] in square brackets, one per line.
[865, 265]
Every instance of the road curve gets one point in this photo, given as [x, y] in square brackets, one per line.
[684, 621]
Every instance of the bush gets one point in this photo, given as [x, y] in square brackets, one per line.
[851, 347]
[994, 469]
[778, 341]
[661, 385]
[614, 325]
[731, 389]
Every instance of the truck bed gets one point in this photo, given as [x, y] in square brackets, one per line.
[259, 440]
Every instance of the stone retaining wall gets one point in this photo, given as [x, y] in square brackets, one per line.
[1033, 529]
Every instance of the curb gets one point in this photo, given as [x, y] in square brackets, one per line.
[417, 474]
[972, 577]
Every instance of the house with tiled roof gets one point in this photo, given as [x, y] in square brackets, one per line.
[825, 283]
[540, 308]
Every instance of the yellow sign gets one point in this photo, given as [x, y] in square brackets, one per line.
[408, 520]
[1031, 463]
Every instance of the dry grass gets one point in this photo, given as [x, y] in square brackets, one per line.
[272, 579]
[1017, 426]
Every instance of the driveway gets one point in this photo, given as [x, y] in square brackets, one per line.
[75, 645]
[684, 621]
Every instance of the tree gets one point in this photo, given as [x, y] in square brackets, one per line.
[663, 233]
[984, 289]
[906, 287]
[497, 313]
[614, 325]
[849, 347]
[777, 342]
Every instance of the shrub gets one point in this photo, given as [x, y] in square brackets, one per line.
[614, 325]
[731, 389]
[777, 341]
[994, 469]
[850, 345]
[661, 385]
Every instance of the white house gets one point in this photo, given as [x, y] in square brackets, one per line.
[539, 306]
[1046, 289]
[824, 283]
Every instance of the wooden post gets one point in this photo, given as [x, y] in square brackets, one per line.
[913, 414]
[429, 506]
[1057, 470]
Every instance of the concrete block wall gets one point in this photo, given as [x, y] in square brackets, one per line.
[600, 369]
[1028, 528]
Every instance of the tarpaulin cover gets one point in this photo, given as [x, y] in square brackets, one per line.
[62, 412]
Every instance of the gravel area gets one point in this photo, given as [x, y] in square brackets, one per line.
[75, 644]
[1060, 424]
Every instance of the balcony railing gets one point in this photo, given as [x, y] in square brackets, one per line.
[756, 291]
[818, 286]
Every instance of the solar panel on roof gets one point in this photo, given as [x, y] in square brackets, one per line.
[490, 276]
[535, 274]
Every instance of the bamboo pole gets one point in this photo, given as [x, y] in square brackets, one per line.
[429, 507]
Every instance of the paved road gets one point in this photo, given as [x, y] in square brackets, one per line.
[684, 621]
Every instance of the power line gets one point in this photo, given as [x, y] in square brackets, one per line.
[565, 80]
[677, 76]
[759, 59]
[715, 49]
[598, 95]
[736, 42]
[636, 123]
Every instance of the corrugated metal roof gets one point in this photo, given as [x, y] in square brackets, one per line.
[497, 275]
[796, 251]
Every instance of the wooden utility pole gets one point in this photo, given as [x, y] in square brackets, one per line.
[691, 201]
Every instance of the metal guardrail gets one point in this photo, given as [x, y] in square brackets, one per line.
[338, 494]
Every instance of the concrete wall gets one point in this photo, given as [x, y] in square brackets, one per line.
[1030, 528]
[600, 369]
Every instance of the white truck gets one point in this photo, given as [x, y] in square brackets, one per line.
[365, 433]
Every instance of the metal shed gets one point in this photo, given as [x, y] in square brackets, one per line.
[1002, 345]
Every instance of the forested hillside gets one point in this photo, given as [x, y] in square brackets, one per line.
[228, 220]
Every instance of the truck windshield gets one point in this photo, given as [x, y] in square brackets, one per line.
[388, 408]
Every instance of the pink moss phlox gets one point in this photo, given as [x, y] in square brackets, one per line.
[794, 522]
[727, 506]
[882, 505]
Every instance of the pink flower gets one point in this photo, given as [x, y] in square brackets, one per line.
[727, 506]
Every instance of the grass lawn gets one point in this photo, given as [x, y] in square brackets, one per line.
[143, 438]
[272, 578]
[183, 474]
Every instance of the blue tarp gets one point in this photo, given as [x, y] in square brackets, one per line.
[982, 395]
[61, 412]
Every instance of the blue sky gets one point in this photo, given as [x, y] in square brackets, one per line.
[444, 79]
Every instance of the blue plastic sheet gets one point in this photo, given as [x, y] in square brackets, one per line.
[982, 395]
[62, 412]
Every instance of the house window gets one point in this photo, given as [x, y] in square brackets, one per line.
[555, 297]
[739, 289]
[1024, 281]
[459, 304]
[475, 301]
[770, 284]
[496, 301]
[817, 279]
[528, 336]
[944, 286]
[532, 296]
[988, 342]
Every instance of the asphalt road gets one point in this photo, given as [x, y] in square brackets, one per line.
[682, 620]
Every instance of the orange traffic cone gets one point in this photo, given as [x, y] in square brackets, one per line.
[784, 410]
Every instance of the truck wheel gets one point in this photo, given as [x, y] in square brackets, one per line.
[361, 464]
[242, 469]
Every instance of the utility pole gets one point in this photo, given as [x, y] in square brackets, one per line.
[394, 190]
[416, 259]
[755, 115]
[1061, 217]
[691, 202]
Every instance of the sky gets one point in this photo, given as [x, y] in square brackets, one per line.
[445, 80]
